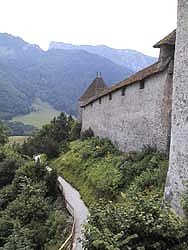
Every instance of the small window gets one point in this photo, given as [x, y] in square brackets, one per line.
[84, 108]
[100, 100]
[123, 91]
[142, 82]
[91, 104]
[110, 96]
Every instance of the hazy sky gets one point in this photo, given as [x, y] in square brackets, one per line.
[132, 24]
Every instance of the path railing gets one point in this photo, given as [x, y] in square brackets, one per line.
[69, 241]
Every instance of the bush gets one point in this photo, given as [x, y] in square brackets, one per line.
[53, 138]
[184, 201]
[7, 194]
[144, 169]
[138, 224]
[30, 214]
[105, 179]
[87, 134]
[75, 131]
[4, 133]
[7, 171]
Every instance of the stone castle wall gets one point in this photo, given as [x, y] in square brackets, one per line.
[177, 178]
[140, 117]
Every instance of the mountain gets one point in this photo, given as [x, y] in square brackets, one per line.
[131, 59]
[57, 76]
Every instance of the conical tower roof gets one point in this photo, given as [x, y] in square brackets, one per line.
[95, 88]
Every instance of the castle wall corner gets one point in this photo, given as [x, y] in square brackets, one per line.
[177, 177]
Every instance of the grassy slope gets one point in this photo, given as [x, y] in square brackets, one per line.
[131, 187]
[43, 114]
[97, 170]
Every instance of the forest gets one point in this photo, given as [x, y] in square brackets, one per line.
[123, 191]
[32, 211]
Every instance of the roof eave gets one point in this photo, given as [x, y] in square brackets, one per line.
[167, 40]
[128, 81]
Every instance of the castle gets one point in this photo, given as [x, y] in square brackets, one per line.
[149, 109]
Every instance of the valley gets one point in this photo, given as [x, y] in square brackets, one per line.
[17, 139]
[42, 114]
[57, 76]
[122, 190]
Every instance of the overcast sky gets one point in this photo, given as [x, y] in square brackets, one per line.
[126, 24]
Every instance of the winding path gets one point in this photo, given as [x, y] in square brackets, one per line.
[80, 210]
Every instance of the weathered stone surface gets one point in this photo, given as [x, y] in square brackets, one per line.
[177, 177]
[139, 118]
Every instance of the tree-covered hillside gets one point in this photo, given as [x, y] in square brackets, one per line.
[58, 77]
[32, 212]
[12, 100]
[132, 59]
[123, 191]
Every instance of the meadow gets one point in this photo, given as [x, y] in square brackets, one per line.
[43, 113]
[17, 139]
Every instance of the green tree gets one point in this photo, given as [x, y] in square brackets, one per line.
[4, 132]
[75, 130]
[51, 139]
[7, 171]
[6, 228]
[59, 128]
[20, 239]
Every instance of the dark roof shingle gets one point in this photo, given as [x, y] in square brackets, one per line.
[170, 39]
[95, 88]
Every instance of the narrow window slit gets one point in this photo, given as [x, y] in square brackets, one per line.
[123, 91]
[142, 83]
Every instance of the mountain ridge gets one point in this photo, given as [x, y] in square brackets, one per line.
[58, 77]
[129, 58]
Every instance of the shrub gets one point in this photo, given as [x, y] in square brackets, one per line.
[4, 132]
[51, 139]
[30, 214]
[105, 179]
[87, 134]
[7, 194]
[75, 131]
[184, 201]
[7, 171]
[138, 224]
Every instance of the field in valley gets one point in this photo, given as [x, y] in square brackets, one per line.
[43, 113]
[17, 139]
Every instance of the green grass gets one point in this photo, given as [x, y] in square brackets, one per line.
[97, 170]
[17, 139]
[43, 114]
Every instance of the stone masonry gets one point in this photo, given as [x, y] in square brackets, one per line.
[142, 110]
[177, 178]
[134, 120]
[135, 112]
